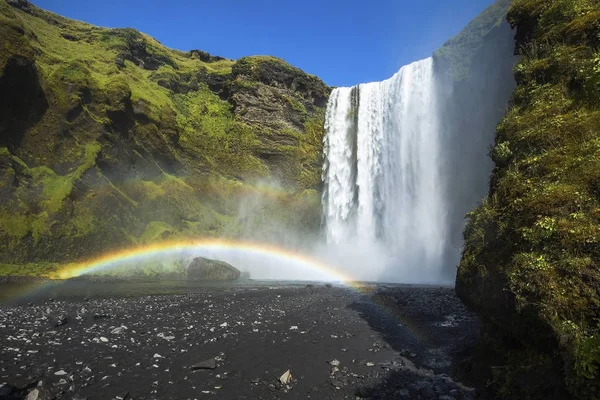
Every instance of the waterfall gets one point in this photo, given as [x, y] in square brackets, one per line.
[382, 172]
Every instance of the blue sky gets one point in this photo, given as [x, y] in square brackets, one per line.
[344, 42]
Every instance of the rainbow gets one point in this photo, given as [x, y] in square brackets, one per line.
[163, 249]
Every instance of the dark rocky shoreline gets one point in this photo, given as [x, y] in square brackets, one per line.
[337, 343]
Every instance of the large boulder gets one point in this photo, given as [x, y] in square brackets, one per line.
[212, 270]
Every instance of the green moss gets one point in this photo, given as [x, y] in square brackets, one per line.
[156, 230]
[31, 269]
[152, 190]
[296, 105]
[539, 231]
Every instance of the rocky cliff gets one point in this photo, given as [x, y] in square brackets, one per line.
[475, 80]
[109, 139]
[531, 261]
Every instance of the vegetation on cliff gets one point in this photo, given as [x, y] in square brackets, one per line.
[108, 139]
[531, 261]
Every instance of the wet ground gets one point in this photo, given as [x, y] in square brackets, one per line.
[248, 341]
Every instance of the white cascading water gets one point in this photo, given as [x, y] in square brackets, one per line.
[382, 173]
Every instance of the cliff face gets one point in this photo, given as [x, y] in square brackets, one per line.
[108, 139]
[531, 261]
[475, 80]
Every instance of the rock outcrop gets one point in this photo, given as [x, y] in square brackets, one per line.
[108, 140]
[205, 269]
[531, 260]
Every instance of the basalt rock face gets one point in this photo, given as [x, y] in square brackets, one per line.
[205, 269]
[531, 260]
[109, 139]
[475, 83]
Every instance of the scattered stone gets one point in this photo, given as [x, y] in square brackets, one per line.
[60, 321]
[33, 395]
[446, 397]
[211, 363]
[60, 373]
[370, 364]
[404, 394]
[103, 339]
[334, 363]
[118, 330]
[293, 328]
[286, 377]
[122, 396]
[223, 325]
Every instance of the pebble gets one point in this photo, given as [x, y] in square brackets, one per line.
[33, 395]
[211, 363]
[286, 377]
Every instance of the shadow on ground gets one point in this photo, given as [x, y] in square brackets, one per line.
[432, 332]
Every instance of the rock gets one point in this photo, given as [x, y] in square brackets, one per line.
[59, 321]
[33, 395]
[370, 364]
[426, 389]
[5, 389]
[103, 339]
[211, 363]
[122, 396]
[404, 394]
[286, 377]
[334, 363]
[60, 373]
[18, 3]
[212, 270]
[446, 397]
[118, 330]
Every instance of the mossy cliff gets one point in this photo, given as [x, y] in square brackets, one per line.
[531, 260]
[109, 139]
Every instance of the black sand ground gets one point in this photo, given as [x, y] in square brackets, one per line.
[382, 343]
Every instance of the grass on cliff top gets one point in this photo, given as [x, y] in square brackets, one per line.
[87, 55]
[540, 226]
